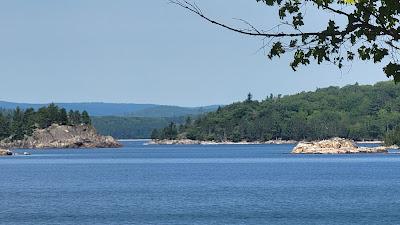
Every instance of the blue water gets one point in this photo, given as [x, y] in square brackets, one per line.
[231, 184]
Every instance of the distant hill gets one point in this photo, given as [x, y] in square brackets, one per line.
[172, 111]
[120, 109]
[358, 112]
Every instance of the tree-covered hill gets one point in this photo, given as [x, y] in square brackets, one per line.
[164, 111]
[119, 109]
[359, 112]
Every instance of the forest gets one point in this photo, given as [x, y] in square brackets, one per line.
[358, 112]
[18, 123]
[132, 127]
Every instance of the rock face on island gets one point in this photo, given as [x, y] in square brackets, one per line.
[334, 146]
[63, 136]
[4, 152]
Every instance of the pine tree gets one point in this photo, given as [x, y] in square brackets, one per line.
[29, 121]
[86, 118]
[63, 117]
[71, 117]
[4, 127]
[17, 124]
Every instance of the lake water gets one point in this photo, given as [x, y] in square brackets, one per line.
[222, 184]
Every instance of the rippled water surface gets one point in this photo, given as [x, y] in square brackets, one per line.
[221, 184]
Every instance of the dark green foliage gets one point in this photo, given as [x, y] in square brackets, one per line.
[356, 112]
[131, 127]
[63, 117]
[393, 137]
[74, 117]
[85, 118]
[170, 132]
[5, 129]
[19, 123]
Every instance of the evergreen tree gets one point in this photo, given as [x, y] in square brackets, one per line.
[29, 121]
[42, 117]
[249, 97]
[17, 126]
[71, 117]
[86, 118]
[77, 119]
[4, 127]
[155, 134]
[63, 117]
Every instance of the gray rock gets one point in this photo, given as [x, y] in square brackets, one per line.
[334, 146]
[63, 136]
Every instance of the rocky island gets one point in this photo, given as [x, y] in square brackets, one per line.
[335, 146]
[63, 136]
[49, 127]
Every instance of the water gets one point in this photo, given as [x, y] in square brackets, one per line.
[233, 184]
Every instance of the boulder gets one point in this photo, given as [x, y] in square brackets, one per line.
[334, 146]
[63, 136]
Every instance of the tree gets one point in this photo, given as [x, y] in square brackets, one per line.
[371, 31]
[86, 118]
[17, 126]
[4, 127]
[63, 117]
[42, 117]
[155, 134]
[53, 113]
[249, 97]
[74, 117]
[29, 119]
[170, 132]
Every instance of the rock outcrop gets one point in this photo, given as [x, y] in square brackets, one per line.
[4, 152]
[334, 146]
[63, 136]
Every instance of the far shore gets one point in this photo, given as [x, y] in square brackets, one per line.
[139, 139]
[198, 142]
[369, 142]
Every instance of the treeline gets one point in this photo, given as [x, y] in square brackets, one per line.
[18, 123]
[128, 127]
[358, 112]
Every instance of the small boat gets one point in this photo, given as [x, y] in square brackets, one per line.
[27, 153]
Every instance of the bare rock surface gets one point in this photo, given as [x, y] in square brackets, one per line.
[335, 146]
[63, 136]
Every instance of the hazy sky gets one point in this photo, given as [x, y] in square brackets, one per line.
[146, 52]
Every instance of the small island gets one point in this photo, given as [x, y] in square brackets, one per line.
[335, 146]
[49, 127]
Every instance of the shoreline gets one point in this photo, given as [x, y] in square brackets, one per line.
[369, 142]
[197, 142]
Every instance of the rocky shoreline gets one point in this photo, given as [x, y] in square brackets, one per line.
[63, 136]
[335, 146]
[197, 142]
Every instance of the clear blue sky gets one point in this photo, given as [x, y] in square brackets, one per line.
[146, 52]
